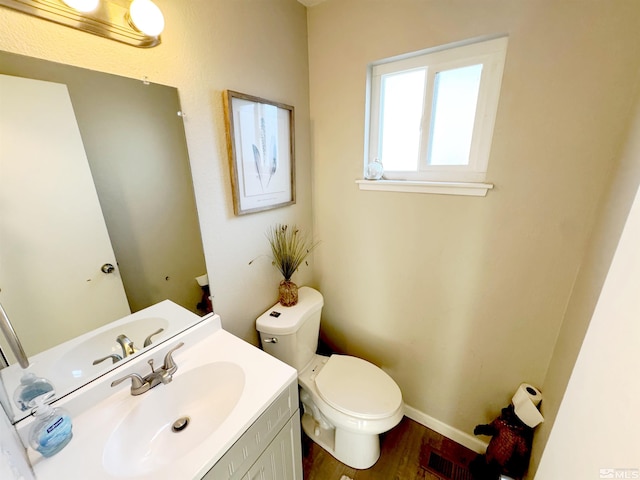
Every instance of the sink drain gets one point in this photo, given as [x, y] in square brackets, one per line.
[180, 424]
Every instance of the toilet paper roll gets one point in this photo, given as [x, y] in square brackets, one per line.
[525, 402]
[528, 392]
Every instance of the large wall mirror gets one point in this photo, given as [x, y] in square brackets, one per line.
[127, 152]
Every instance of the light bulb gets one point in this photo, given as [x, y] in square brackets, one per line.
[83, 6]
[146, 17]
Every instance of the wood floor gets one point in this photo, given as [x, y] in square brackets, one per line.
[403, 451]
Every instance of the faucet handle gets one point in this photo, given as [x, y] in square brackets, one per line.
[147, 341]
[169, 363]
[114, 357]
[136, 381]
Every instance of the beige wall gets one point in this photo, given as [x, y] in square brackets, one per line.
[613, 212]
[601, 375]
[252, 46]
[460, 299]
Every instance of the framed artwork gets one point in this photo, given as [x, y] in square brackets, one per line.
[260, 141]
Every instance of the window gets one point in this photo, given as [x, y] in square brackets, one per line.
[431, 114]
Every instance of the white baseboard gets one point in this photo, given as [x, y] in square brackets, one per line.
[458, 436]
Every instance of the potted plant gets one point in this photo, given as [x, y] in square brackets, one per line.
[289, 248]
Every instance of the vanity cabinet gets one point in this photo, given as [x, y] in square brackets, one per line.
[270, 449]
[282, 459]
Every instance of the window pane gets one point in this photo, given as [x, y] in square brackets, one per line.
[402, 98]
[454, 109]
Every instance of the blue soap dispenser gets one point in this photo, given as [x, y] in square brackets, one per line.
[31, 387]
[51, 431]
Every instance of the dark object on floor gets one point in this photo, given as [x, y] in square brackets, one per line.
[205, 305]
[509, 450]
[436, 462]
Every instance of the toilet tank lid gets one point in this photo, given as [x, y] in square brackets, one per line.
[279, 320]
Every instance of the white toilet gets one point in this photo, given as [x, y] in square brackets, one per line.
[348, 402]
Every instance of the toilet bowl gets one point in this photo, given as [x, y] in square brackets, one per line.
[347, 401]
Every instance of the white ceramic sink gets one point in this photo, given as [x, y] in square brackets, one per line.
[222, 384]
[145, 440]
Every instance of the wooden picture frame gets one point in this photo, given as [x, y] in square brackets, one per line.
[260, 142]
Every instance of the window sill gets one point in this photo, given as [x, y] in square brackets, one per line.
[411, 186]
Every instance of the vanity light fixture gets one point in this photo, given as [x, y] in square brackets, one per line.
[83, 6]
[146, 17]
[137, 23]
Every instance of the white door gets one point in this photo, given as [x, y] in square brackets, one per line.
[53, 238]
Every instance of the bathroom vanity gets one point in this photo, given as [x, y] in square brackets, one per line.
[270, 448]
[230, 411]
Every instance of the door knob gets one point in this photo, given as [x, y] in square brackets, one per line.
[107, 268]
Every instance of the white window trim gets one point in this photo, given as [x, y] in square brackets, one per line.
[472, 189]
[492, 54]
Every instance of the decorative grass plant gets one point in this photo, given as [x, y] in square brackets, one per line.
[289, 248]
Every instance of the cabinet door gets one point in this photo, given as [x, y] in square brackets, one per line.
[235, 464]
[282, 460]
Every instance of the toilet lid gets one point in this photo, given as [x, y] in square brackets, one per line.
[357, 387]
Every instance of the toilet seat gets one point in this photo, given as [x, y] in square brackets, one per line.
[356, 387]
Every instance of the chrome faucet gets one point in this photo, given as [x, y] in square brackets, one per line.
[164, 374]
[127, 345]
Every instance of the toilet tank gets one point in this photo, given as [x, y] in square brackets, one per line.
[291, 333]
